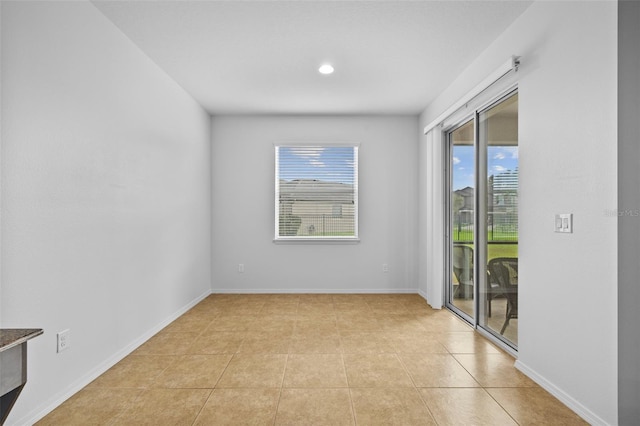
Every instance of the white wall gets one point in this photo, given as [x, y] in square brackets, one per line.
[106, 194]
[243, 217]
[568, 283]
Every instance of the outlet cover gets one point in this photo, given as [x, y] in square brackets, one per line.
[64, 340]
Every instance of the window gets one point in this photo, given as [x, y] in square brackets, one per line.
[316, 192]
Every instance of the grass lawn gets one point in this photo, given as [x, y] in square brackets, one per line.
[500, 250]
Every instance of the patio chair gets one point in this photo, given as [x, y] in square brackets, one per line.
[493, 291]
[462, 263]
[504, 271]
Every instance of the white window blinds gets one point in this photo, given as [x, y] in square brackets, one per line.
[316, 192]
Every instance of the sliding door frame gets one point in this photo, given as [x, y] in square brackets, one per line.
[448, 217]
[471, 112]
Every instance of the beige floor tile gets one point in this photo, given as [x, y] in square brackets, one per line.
[166, 343]
[299, 351]
[365, 343]
[254, 371]
[316, 345]
[444, 322]
[91, 406]
[421, 343]
[285, 324]
[400, 324]
[316, 334]
[315, 371]
[194, 371]
[189, 324]
[375, 370]
[352, 308]
[204, 310]
[265, 343]
[348, 297]
[417, 305]
[464, 407]
[248, 308]
[318, 407]
[466, 343]
[534, 406]
[217, 342]
[356, 316]
[397, 406]
[280, 308]
[233, 322]
[208, 301]
[494, 370]
[306, 315]
[282, 297]
[164, 407]
[436, 370]
[315, 298]
[357, 322]
[242, 308]
[323, 325]
[387, 307]
[316, 308]
[240, 407]
[378, 298]
[135, 371]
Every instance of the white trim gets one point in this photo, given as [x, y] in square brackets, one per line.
[39, 412]
[319, 239]
[561, 395]
[510, 65]
[316, 240]
[315, 291]
[424, 296]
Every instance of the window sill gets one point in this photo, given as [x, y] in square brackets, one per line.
[327, 240]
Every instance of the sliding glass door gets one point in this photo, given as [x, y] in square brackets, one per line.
[482, 212]
[462, 218]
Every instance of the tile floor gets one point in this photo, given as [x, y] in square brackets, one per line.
[314, 360]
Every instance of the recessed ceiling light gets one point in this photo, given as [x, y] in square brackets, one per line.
[325, 69]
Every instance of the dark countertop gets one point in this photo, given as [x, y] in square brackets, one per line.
[10, 337]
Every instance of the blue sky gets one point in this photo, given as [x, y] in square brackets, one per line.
[500, 160]
[331, 163]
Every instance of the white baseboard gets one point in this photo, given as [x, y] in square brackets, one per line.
[39, 412]
[565, 398]
[312, 291]
[423, 294]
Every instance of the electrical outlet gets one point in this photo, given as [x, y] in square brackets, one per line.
[64, 340]
[241, 267]
[385, 267]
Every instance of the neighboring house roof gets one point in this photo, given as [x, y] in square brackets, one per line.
[316, 190]
[465, 192]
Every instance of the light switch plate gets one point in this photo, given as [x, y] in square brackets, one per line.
[564, 223]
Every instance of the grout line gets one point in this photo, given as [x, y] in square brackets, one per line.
[275, 416]
[422, 398]
[353, 408]
[500, 405]
[465, 368]
[195, 419]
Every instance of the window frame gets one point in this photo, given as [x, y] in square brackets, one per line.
[316, 239]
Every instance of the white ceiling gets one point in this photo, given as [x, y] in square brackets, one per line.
[261, 57]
